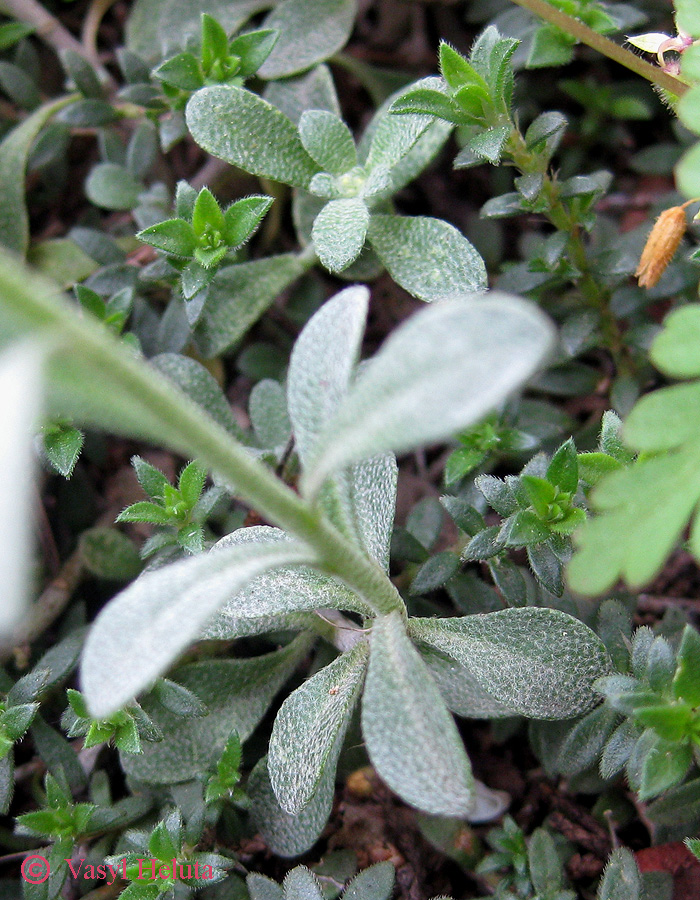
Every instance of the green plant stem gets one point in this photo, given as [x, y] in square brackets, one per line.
[529, 162]
[604, 45]
[31, 304]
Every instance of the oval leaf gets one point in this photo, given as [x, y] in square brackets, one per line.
[411, 738]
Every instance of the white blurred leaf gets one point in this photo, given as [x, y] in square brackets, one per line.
[20, 390]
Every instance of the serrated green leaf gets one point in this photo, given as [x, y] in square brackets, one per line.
[62, 445]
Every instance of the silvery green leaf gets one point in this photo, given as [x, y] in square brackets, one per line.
[284, 834]
[388, 138]
[236, 692]
[157, 29]
[139, 634]
[281, 592]
[420, 155]
[260, 887]
[239, 295]
[461, 692]
[309, 32]
[371, 493]
[410, 736]
[302, 884]
[339, 232]
[267, 408]
[435, 375]
[328, 141]
[247, 131]
[428, 257]
[310, 725]
[21, 390]
[539, 662]
[199, 385]
[322, 364]
[313, 90]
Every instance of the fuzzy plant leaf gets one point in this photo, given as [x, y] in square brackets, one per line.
[410, 736]
[246, 131]
[279, 592]
[460, 690]
[14, 153]
[239, 295]
[621, 879]
[285, 834]
[313, 91]
[21, 391]
[633, 533]
[236, 692]
[267, 408]
[427, 257]
[310, 725]
[539, 662]
[318, 379]
[339, 232]
[328, 140]
[309, 32]
[140, 633]
[436, 374]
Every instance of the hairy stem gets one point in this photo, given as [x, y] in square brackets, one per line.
[604, 45]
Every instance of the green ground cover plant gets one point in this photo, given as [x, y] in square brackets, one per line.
[254, 285]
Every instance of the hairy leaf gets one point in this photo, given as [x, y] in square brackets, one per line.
[438, 373]
[411, 738]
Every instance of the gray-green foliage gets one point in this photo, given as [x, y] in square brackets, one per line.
[374, 883]
[140, 633]
[350, 185]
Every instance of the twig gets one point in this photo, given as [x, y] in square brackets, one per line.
[53, 33]
[91, 25]
[604, 45]
[53, 600]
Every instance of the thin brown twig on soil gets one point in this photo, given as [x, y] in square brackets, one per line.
[53, 33]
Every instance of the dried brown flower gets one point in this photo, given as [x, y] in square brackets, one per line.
[661, 245]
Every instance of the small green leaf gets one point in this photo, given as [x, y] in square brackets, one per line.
[243, 217]
[111, 186]
[62, 445]
[427, 257]
[563, 469]
[686, 682]
[328, 141]
[339, 233]
[182, 71]
[172, 236]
